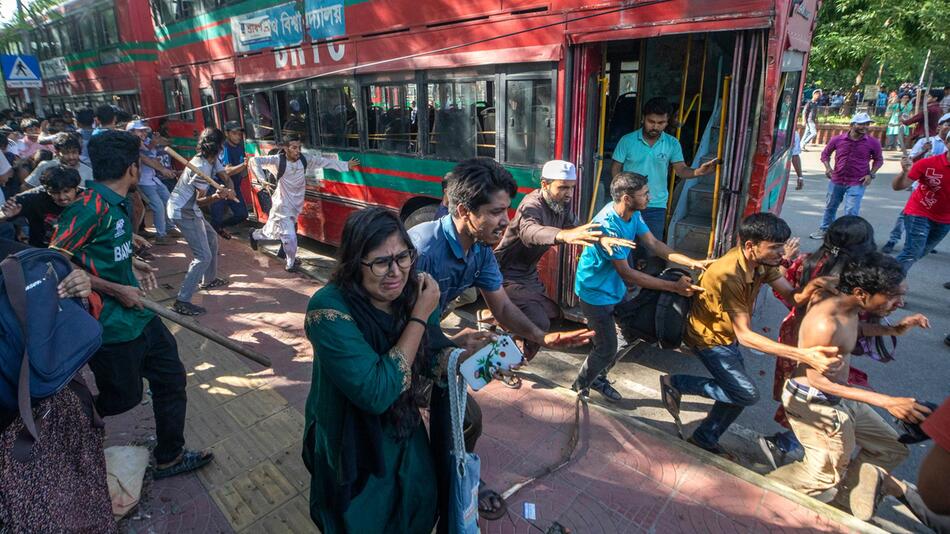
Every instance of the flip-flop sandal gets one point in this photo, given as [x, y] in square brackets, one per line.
[490, 514]
[190, 460]
[671, 401]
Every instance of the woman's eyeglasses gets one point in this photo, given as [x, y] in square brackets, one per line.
[381, 266]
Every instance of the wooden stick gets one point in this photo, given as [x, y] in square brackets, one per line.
[192, 325]
[181, 159]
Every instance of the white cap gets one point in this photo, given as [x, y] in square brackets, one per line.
[136, 125]
[559, 170]
[944, 118]
[861, 118]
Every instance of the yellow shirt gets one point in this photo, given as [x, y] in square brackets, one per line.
[731, 286]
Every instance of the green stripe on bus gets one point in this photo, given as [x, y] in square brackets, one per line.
[529, 178]
[196, 37]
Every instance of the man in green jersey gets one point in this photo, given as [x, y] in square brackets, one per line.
[96, 232]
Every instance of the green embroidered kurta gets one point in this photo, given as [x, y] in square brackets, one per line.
[347, 369]
[896, 112]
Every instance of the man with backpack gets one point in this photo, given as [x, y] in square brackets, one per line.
[720, 320]
[290, 168]
[603, 274]
[96, 233]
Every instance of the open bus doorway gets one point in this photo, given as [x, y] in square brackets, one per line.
[692, 72]
[687, 71]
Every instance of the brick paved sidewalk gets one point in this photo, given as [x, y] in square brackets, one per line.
[625, 476]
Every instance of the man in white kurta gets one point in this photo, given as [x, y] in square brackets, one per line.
[287, 201]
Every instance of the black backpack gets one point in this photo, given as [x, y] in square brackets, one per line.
[263, 196]
[655, 316]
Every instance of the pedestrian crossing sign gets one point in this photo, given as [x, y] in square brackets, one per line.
[21, 71]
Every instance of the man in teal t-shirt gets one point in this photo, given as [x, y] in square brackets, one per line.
[650, 151]
[603, 275]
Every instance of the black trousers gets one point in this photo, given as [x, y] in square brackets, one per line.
[119, 369]
[440, 435]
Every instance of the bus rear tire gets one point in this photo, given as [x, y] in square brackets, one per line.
[420, 215]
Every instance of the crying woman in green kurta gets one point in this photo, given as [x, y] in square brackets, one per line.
[376, 339]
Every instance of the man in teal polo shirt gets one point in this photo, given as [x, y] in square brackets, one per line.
[602, 276]
[96, 233]
[649, 151]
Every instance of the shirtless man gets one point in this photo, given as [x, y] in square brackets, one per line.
[831, 418]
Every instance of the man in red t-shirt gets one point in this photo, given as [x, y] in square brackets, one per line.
[927, 213]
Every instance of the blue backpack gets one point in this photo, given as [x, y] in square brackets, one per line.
[45, 339]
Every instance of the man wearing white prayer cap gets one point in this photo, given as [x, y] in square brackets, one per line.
[544, 218]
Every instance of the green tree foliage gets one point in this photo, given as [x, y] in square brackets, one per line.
[33, 15]
[853, 38]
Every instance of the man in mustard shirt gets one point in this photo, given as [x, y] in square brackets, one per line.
[721, 319]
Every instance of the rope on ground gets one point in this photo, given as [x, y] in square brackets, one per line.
[564, 460]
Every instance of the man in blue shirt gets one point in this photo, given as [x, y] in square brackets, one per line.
[649, 151]
[603, 275]
[457, 251]
[232, 159]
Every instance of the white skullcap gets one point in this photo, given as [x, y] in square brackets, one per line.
[559, 170]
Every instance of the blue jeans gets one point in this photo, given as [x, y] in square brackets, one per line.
[810, 132]
[157, 198]
[898, 231]
[850, 194]
[923, 235]
[730, 386]
[238, 208]
[203, 241]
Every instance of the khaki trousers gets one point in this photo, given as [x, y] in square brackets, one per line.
[829, 435]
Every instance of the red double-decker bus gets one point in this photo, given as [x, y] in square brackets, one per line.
[411, 88]
[92, 53]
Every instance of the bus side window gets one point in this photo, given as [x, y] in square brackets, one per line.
[391, 117]
[293, 110]
[529, 128]
[459, 114]
[337, 121]
[258, 116]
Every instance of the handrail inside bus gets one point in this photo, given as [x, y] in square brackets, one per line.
[722, 137]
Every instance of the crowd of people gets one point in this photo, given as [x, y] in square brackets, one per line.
[381, 356]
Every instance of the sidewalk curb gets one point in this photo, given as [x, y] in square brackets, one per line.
[846, 520]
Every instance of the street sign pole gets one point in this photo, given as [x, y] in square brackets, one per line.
[37, 99]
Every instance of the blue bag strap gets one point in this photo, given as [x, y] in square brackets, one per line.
[457, 400]
[14, 281]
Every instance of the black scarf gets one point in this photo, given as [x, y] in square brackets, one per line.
[361, 445]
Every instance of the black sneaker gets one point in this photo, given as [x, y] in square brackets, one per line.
[251, 240]
[187, 308]
[946, 340]
[295, 268]
[602, 386]
[888, 247]
[772, 452]
[946, 285]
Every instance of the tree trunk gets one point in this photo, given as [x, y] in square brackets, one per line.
[849, 103]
